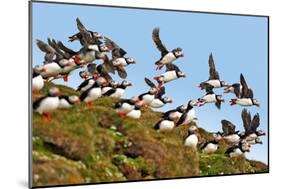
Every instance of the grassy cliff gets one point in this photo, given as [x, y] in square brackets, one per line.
[83, 145]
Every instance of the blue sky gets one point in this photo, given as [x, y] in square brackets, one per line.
[238, 44]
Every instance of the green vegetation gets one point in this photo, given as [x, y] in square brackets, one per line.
[83, 145]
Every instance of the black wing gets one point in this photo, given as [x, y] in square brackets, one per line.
[50, 51]
[83, 84]
[255, 122]
[66, 49]
[246, 117]
[121, 72]
[166, 114]
[227, 127]
[236, 87]
[246, 92]
[172, 67]
[37, 102]
[149, 83]
[213, 74]
[160, 93]
[117, 52]
[218, 104]
[182, 119]
[160, 46]
[209, 88]
[86, 35]
[109, 92]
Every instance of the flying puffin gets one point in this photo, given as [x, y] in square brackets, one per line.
[159, 101]
[78, 36]
[192, 138]
[175, 114]
[67, 102]
[146, 98]
[37, 80]
[238, 150]
[165, 124]
[135, 113]
[124, 106]
[210, 147]
[166, 56]
[229, 135]
[119, 90]
[250, 125]
[118, 61]
[214, 78]
[47, 104]
[93, 93]
[247, 96]
[188, 115]
[211, 97]
[172, 73]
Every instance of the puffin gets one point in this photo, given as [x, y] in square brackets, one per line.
[229, 134]
[210, 147]
[37, 80]
[118, 61]
[192, 138]
[124, 106]
[93, 93]
[211, 97]
[85, 85]
[247, 96]
[112, 85]
[234, 88]
[175, 114]
[118, 91]
[167, 57]
[214, 78]
[238, 150]
[84, 74]
[146, 98]
[135, 113]
[78, 36]
[250, 125]
[165, 124]
[66, 102]
[47, 104]
[159, 101]
[172, 73]
[188, 115]
[49, 70]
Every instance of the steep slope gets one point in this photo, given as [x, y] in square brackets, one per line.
[83, 145]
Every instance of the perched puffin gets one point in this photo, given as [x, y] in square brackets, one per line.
[192, 138]
[166, 56]
[175, 114]
[250, 125]
[119, 90]
[172, 73]
[37, 80]
[210, 147]
[247, 96]
[159, 101]
[112, 85]
[85, 85]
[118, 61]
[214, 78]
[124, 106]
[211, 97]
[238, 150]
[188, 115]
[146, 98]
[165, 124]
[47, 104]
[229, 135]
[78, 36]
[135, 113]
[93, 93]
[68, 101]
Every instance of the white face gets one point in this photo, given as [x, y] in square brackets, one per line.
[126, 83]
[168, 100]
[193, 128]
[54, 91]
[217, 136]
[130, 60]
[104, 48]
[193, 103]
[181, 74]
[179, 53]
[152, 90]
[74, 99]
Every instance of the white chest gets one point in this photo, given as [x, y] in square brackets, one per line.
[93, 94]
[232, 139]
[52, 69]
[105, 89]
[210, 98]
[214, 82]
[89, 85]
[244, 101]
[175, 115]
[135, 114]
[191, 141]
[191, 115]
[169, 76]
[237, 152]
[37, 83]
[125, 108]
[47, 105]
[168, 58]
[166, 125]
[64, 104]
[119, 62]
[118, 93]
[210, 148]
[156, 103]
[147, 99]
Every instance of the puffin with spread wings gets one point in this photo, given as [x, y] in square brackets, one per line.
[167, 57]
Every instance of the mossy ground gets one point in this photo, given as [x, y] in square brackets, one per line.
[82, 145]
